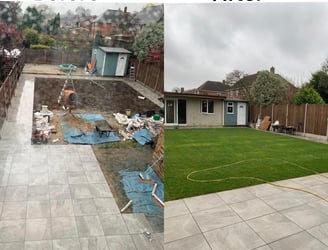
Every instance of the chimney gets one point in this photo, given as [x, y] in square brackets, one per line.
[182, 90]
[224, 82]
[272, 70]
[125, 9]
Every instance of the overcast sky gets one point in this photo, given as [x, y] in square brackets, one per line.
[96, 7]
[207, 41]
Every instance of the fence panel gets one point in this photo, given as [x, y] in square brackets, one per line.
[58, 56]
[150, 73]
[7, 88]
[316, 119]
[312, 117]
[279, 113]
[296, 116]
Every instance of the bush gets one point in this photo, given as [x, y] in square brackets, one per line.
[39, 46]
[31, 35]
[308, 95]
[47, 40]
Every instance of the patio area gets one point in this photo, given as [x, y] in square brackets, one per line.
[260, 217]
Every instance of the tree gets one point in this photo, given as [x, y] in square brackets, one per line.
[324, 66]
[53, 25]
[307, 95]
[82, 12]
[319, 82]
[268, 88]
[151, 36]
[234, 77]
[10, 36]
[33, 19]
[9, 11]
[98, 41]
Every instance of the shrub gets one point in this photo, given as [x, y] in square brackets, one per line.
[39, 46]
[31, 35]
[47, 40]
[308, 95]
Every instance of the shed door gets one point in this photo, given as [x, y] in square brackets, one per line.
[241, 113]
[121, 64]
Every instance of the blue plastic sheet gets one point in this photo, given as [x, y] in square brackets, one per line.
[142, 136]
[140, 194]
[75, 135]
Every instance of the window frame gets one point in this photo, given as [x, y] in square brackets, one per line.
[209, 108]
[232, 106]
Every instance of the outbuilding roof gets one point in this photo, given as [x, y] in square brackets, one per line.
[115, 50]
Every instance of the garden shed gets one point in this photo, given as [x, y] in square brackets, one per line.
[111, 61]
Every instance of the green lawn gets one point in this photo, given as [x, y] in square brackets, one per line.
[216, 154]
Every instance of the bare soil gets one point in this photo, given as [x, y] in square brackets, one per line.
[105, 98]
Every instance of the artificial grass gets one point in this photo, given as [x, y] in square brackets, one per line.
[218, 153]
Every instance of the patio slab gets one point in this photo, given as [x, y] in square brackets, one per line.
[261, 217]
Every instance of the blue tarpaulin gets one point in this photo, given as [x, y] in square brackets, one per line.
[142, 136]
[141, 194]
[76, 135]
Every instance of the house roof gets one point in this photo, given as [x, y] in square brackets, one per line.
[213, 86]
[246, 81]
[150, 14]
[192, 95]
[114, 16]
[115, 50]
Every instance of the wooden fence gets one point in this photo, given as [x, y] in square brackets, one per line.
[310, 118]
[7, 88]
[158, 156]
[149, 73]
[58, 56]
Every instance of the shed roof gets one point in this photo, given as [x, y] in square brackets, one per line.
[115, 50]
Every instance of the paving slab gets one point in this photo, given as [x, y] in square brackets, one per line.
[261, 217]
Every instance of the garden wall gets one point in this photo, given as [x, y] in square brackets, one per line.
[312, 118]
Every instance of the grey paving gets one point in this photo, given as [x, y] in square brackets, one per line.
[55, 196]
[262, 217]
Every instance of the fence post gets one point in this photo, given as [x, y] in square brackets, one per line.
[272, 112]
[327, 130]
[305, 112]
[286, 115]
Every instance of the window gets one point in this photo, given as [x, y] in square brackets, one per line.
[207, 106]
[230, 108]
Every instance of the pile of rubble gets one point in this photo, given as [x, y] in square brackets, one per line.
[139, 124]
[42, 130]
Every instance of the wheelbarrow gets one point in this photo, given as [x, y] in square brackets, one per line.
[103, 127]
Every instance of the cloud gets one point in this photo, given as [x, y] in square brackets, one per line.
[207, 41]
